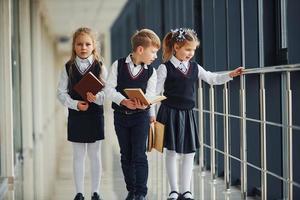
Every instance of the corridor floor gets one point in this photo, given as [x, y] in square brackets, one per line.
[112, 184]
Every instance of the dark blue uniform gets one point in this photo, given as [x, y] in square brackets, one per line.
[84, 126]
[176, 112]
[132, 128]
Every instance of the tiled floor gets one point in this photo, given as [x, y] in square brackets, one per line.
[112, 184]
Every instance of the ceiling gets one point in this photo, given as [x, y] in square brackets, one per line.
[65, 16]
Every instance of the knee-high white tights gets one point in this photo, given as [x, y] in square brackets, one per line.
[79, 154]
[186, 171]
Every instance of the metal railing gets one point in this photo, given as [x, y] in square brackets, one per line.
[286, 126]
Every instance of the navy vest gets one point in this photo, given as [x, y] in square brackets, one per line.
[74, 77]
[179, 88]
[126, 80]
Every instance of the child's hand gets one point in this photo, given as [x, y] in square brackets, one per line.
[237, 72]
[139, 104]
[128, 103]
[90, 97]
[82, 105]
[152, 119]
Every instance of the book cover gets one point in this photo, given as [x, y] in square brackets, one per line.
[88, 83]
[139, 94]
[159, 133]
[150, 138]
[156, 137]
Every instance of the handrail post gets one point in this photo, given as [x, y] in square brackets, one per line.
[226, 138]
[290, 136]
[212, 133]
[263, 143]
[287, 137]
[262, 103]
[243, 149]
[243, 139]
[200, 122]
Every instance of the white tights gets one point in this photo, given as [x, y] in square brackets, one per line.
[79, 154]
[186, 172]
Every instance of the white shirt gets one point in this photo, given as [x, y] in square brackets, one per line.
[62, 89]
[111, 84]
[207, 76]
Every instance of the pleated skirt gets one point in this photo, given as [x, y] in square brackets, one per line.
[181, 131]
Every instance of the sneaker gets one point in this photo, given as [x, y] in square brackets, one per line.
[79, 196]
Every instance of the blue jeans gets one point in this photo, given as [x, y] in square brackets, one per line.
[132, 132]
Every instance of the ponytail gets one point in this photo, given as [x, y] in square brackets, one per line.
[167, 47]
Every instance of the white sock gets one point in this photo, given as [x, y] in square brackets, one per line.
[186, 173]
[79, 152]
[171, 166]
[96, 167]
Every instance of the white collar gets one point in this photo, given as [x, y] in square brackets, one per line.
[88, 60]
[129, 60]
[177, 62]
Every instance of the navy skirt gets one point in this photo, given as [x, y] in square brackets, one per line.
[180, 129]
[85, 128]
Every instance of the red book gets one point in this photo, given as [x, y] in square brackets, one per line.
[89, 83]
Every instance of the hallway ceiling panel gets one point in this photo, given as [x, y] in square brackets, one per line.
[65, 16]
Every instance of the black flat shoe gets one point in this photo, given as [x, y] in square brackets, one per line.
[171, 198]
[79, 196]
[96, 196]
[130, 196]
[184, 198]
[140, 197]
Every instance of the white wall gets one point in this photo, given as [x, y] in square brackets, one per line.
[6, 117]
[43, 117]
[26, 103]
[47, 118]
[43, 120]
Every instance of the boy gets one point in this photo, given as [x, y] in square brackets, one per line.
[131, 117]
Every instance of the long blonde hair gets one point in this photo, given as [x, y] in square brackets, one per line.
[180, 37]
[95, 52]
[87, 31]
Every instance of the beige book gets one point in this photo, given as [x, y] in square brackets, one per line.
[156, 136]
[139, 94]
[150, 137]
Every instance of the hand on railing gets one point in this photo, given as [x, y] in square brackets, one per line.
[237, 72]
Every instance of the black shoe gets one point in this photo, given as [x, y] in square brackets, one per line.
[140, 197]
[130, 196]
[79, 196]
[183, 198]
[96, 196]
[170, 198]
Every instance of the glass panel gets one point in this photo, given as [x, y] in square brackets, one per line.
[16, 82]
